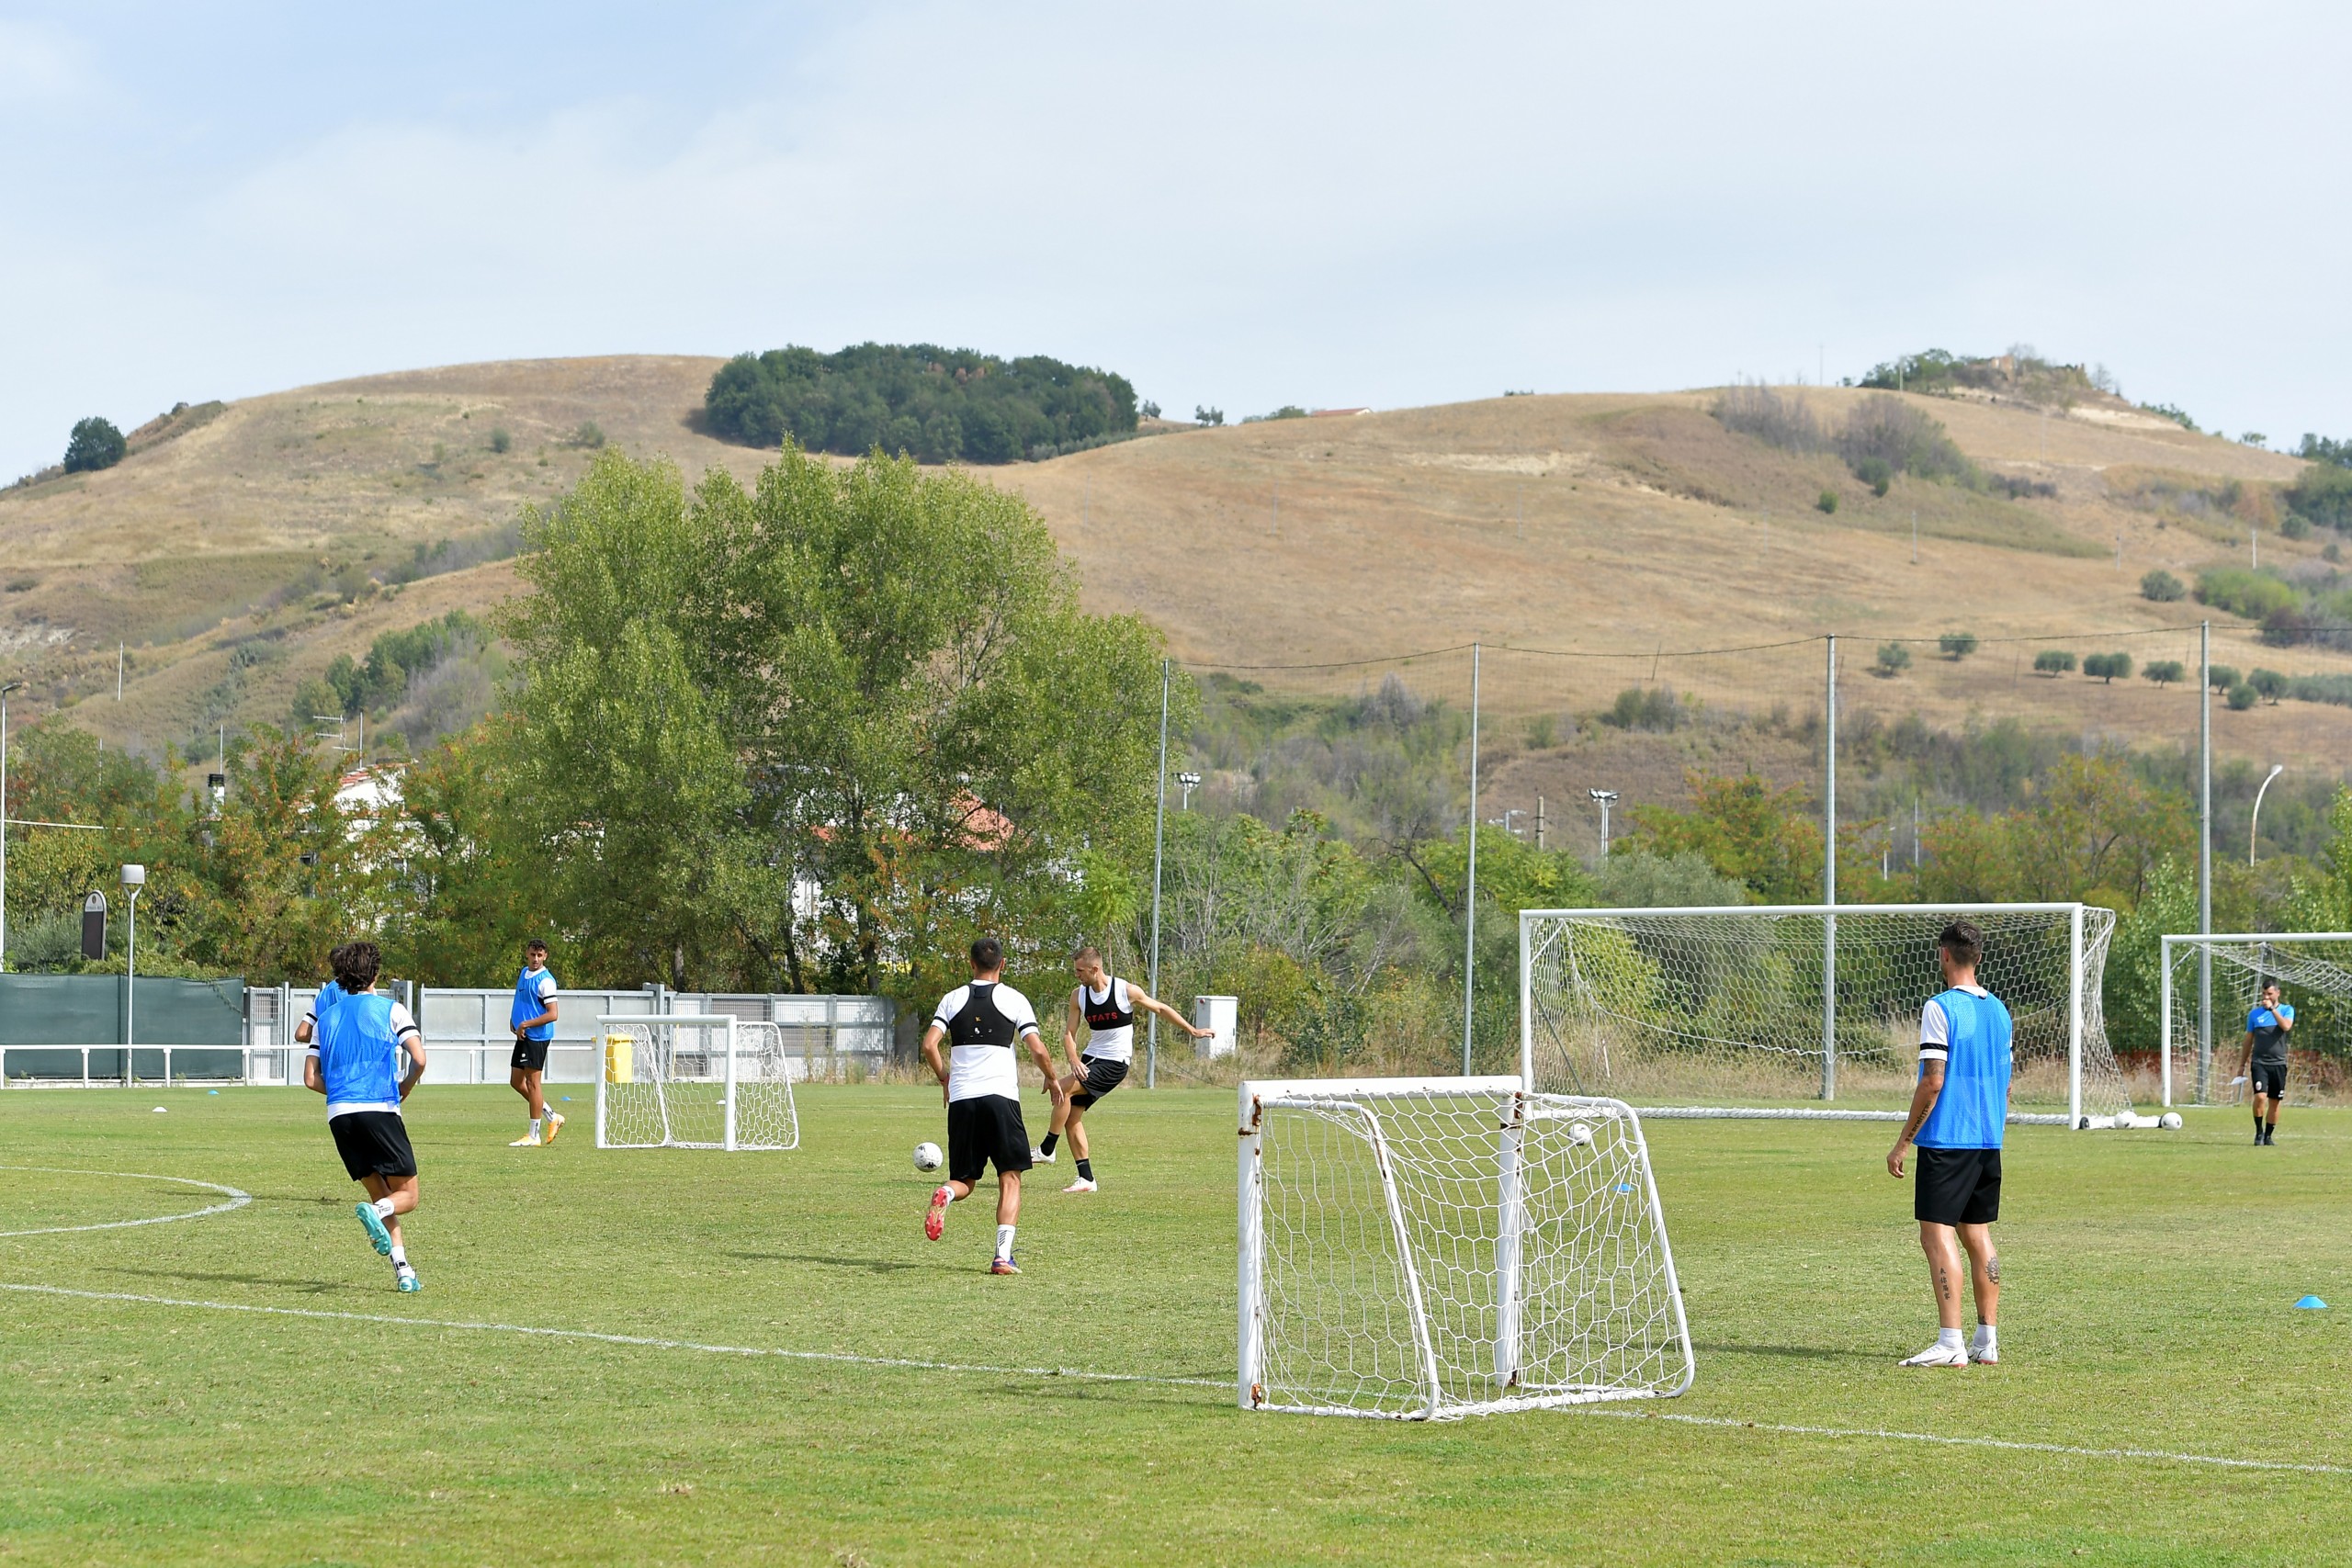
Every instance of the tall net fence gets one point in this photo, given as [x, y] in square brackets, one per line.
[2206, 1045]
[1451, 1248]
[1734, 1007]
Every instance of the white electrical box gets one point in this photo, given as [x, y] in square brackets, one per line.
[1222, 1015]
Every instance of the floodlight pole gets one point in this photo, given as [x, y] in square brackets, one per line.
[1159, 838]
[2253, 830]
[134, 878]
[2204, 860]
[1470, 899]
[1829, 890]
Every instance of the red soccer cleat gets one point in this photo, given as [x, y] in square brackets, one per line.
[934, 1222]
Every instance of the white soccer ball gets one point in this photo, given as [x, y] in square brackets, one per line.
[2169, 1121]
[928, 1157]
[1580, 1132]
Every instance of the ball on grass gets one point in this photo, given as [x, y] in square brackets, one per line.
[928, 1157]
[2169, 1121]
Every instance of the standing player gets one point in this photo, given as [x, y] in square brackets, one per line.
[1958, 1114]
[533, 1021]
[1107, 1006]
[2265, 1060]
[356, 1062]
[981, 1084]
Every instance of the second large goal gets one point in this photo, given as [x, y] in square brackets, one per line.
[1806, 1010]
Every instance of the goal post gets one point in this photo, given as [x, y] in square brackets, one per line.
[1430, 1248]
[2209, 984]
[1807, 1009]
[693, 1081]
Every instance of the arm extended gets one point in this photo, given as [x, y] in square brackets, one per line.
[1153, 1004]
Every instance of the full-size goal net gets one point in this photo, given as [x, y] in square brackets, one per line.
[1806, 1009]
[693, 1082]
[1439, 1247]
[2212, 983]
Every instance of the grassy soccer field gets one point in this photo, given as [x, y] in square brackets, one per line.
[160, 1418]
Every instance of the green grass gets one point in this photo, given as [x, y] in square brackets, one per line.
[2150, 1278]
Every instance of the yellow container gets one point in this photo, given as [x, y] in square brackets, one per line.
[620, 1058]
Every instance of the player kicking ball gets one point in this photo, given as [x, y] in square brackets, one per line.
[1958, 1110]
[1107, 1006]
[533, 1020]
[356, 1060]
[980, 1082]
[2265, 1060]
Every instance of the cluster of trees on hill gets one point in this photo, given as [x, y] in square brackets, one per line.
[939, 405]
[2021, 370]
[1879, 438]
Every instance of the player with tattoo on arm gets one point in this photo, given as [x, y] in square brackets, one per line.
[1958, 1110]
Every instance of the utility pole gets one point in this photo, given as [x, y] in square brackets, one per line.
[118, 671]
[1159, 838]
[1829, 891]
[2204, 858]
[1539, 819]
[1470, 899]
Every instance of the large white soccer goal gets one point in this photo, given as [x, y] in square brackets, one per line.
[1806, 1010]
[693, 1081]
[2211, 983]
[1439, 1247]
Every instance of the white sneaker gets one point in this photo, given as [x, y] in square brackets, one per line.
[1081, 1185]
[1985, 1355]
[1937, 1356]
[1042, 1158]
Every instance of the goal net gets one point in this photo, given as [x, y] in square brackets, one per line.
[1806, 1010]
[1439, 1247]
[695, 1082]
[2211, 983]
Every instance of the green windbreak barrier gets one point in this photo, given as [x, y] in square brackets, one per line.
[87, 1010]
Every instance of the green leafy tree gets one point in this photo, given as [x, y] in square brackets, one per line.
[1957, 645]
[2052, 661]
[95, 444]
[1893, 658]
[1766, 839]
[2224, 676]
[2161, 586]
[2164, 672]
[2242, 696]
[2268, 685]
[2107, 667]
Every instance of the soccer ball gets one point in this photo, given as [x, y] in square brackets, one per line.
[928, 1157]
[2169, 1121]
[1580, 1132]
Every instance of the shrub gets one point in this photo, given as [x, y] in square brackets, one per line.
[1288, 410]
[1893, 658]
[1647, 709]
[2164, 672]
[2323, 492]
[1776, 421]
[2052, 661]
[1957, 645]
[2268, 685]
[1902, 437]
[2295, 525]
[2242, 696]
[1876, 473]
[1542, 733]
[2162, 586]
[587, 434]
[2252, 595]
[1828, 501]
[2224, 676]
[2107, 667]
[95, 444]
[500, 441]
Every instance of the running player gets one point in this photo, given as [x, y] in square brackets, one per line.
[1958, 1114]
[307, 1029]
[2264, 1061]
[1107, 1006]
[981, 1084]
[533, 1021]
[356, 1063]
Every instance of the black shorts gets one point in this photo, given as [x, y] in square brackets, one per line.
[531, 1056]
[1103, 1074]
[2268, 1078]
[1957, 1187]
[983, 1128]
[373, 1143]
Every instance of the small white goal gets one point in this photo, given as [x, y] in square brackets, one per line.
[693, 1081]
[1436, 1247]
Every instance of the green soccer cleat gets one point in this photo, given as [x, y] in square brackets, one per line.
[376, 1231]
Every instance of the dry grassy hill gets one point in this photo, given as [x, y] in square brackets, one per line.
[1617, 524]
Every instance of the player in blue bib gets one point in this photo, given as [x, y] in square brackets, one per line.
[2264, 1061]
[365, 1056]
[1958, 1110]
[532, 1019]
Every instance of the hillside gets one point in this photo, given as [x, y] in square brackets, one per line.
[1598, 523]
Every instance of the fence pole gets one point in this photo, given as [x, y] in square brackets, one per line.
[1158, 839]
[1470, 898]
[1829, 888]
[2204, 862]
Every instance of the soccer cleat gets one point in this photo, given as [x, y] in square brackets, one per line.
[1041, 1158]
[934, 1223]
[1003, 1266]
[1081, 1185]
[1937, 1356]
[555, 1125]
[528, 1141]
[404, 1281]
[376, 1231]
[1986, 1355]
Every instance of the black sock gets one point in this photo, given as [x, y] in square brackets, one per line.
[1086, 1171]
[1047, 1146]
[2268, 1128]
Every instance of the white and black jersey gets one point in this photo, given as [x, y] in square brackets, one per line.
[984, 1022]
[1110, 1016]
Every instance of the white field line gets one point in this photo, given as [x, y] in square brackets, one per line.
[237, 1200]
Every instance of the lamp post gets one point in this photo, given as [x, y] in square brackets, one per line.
[11, 686]
[1603, 798]
[2254, 825]
[134, 877]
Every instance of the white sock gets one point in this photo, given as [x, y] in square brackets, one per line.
[383, 1207]
[1948, 1339]
[949, 1190]
[399, 1256]
[1987, 1337]
[534, 1127]
[1004, 1241]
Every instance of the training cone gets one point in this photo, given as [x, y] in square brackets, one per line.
[2311, 1304]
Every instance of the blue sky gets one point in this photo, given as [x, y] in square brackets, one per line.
[1241, 205]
